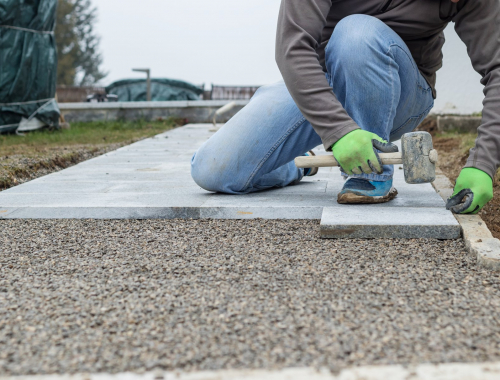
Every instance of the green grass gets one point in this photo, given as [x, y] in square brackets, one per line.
[92, 133]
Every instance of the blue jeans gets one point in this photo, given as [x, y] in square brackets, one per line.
[373, 75]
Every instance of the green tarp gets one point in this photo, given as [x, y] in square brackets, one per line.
[134, 90]
[28, 63]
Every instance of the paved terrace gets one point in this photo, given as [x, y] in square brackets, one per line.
[151, 180]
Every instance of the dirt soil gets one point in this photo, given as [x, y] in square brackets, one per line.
[453, 153]
[19, 168]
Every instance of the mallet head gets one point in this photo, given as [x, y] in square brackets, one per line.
[419, 157]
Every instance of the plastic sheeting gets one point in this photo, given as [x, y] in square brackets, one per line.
[134, 90]
[28, 63]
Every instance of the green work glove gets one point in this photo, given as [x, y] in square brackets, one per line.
[355, 152]
[474, 188]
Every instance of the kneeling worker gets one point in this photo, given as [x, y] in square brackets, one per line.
[356, 71]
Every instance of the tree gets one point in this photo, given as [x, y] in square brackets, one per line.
[77, 44]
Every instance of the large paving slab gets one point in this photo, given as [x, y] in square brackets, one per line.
[151, 179]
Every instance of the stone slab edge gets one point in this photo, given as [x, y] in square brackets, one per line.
[477, 237]
[196, 212]
[452, 371]
[389, 232]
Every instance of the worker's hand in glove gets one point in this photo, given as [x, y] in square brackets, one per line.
[356, 154]
[474, 188]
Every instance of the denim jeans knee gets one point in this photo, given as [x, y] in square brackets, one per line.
[255, 150]
[354, 38]
[201, 173]
[375, 78]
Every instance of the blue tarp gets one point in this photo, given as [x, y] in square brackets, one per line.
[28, 63]
[134, 90]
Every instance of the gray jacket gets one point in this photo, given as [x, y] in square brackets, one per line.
[305, 26]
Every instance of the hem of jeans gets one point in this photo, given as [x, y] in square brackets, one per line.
[254, 189]
[272, 150]
[370, 177]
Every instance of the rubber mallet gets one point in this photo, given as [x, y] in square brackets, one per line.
[418, 158]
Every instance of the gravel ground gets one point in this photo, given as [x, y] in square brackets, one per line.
[114, 296]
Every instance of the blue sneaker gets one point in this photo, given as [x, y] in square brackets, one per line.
[357, 190]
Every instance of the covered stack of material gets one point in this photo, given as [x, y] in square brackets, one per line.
[162, 89]
[28, 65]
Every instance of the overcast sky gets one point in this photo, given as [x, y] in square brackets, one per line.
[229, 42]
[201, 41]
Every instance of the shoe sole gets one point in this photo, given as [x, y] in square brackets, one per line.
[351, 198]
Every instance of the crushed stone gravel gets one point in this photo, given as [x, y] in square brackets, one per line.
[80, 296]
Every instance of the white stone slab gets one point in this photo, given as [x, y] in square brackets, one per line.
[104, 212]
[93, 187]
[269, 212]
[188, 197]
[371, 222]
[110, 176]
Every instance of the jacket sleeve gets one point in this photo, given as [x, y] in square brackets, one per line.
[477, 23]
[300, 25]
